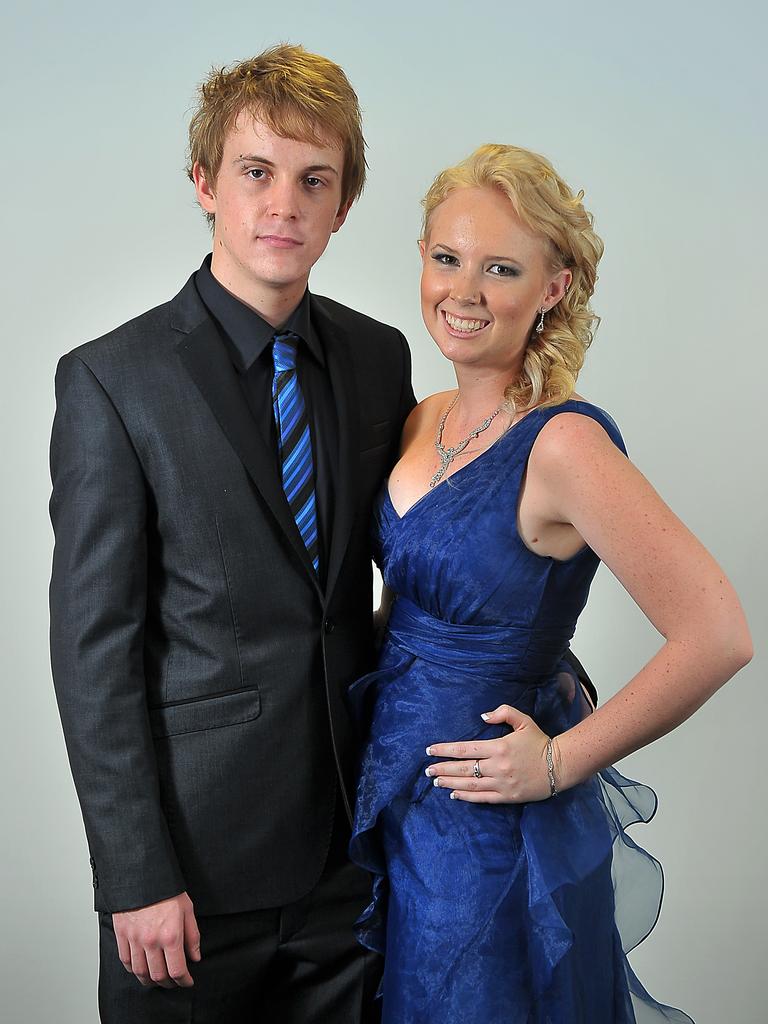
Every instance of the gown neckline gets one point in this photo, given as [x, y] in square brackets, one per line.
[463, 469]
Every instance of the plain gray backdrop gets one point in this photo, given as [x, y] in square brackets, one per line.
[657, 111]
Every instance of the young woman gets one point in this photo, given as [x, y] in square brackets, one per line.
[496, 851]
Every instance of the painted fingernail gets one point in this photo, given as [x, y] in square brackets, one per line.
[454, 795]
[436, 782]
[429, 771]
[485, 716]
[429, 751]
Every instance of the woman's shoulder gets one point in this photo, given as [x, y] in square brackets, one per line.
[439, 400]
[426, 414]
[574, 429]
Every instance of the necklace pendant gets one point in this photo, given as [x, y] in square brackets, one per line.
[447, 455]
[445, 459]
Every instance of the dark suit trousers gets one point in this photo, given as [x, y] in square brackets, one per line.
[298, 964]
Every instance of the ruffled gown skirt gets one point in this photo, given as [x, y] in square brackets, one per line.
[494, 913]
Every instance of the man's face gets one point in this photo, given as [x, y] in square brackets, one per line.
[276, 202]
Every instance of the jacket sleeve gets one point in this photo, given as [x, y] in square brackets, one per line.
[98, 599]
[407, 397]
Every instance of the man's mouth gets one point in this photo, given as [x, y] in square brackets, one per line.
[280, 241]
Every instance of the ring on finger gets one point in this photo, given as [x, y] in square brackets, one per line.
[476, 770]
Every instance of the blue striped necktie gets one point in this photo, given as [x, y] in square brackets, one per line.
[294, 441]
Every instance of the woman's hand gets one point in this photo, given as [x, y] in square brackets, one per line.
[513, 768]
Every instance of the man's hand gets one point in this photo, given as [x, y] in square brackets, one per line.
[153, 940]
[510, 770]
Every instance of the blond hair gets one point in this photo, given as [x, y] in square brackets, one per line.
[297, 94]
[548, 207]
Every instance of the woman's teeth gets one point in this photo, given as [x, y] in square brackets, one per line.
[465, 325]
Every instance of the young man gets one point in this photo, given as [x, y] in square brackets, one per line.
[214, 463]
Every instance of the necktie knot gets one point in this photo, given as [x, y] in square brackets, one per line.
[284, 351]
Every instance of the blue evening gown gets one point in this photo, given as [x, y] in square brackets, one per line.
[488, 913]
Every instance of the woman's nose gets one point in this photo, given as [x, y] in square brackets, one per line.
[465, 291]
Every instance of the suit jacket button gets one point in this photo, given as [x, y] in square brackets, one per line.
[329, 626]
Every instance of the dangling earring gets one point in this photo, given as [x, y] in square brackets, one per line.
[540, 324]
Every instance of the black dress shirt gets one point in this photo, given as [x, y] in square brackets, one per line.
[248, 338]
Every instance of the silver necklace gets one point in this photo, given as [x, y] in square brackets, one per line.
[447, 455]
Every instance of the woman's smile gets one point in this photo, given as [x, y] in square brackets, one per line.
[463, 327]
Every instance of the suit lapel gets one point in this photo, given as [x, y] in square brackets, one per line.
[337, 347]
[206, 361]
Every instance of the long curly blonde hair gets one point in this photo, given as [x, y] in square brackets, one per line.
[549, 208]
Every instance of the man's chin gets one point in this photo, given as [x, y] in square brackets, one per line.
[280, 273]
[282, 282]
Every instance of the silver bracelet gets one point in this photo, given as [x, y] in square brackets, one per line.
[551, 769]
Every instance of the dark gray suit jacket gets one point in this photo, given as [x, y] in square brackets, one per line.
[200, 670]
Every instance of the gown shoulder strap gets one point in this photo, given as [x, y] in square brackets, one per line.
[542, 416]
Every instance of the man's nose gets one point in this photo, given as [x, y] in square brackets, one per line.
[284, 200]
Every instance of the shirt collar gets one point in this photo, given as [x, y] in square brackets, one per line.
[250, 333]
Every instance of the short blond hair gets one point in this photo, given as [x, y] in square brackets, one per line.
[298, 95]
[549, 208]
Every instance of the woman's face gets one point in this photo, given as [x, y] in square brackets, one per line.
[484, 277]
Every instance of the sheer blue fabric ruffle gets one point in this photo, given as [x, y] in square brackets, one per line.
[492, 913]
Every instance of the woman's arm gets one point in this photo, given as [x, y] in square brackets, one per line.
[582, 480]
[589, 483]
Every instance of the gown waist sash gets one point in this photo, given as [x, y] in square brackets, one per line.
[501, 653]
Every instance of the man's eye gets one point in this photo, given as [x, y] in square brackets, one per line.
[255, 172]
[314, 182]
[444, 258]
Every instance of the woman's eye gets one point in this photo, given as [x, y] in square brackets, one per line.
[256, 173]
[500, 270]
[444, 258]
[314, 182]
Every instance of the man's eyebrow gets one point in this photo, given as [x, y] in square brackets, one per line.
[253, 158]
[322, 167]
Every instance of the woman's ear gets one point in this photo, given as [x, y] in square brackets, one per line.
[557, 288]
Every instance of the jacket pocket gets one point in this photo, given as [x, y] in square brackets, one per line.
[203, 713]
[375, 435]
[376, 448]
